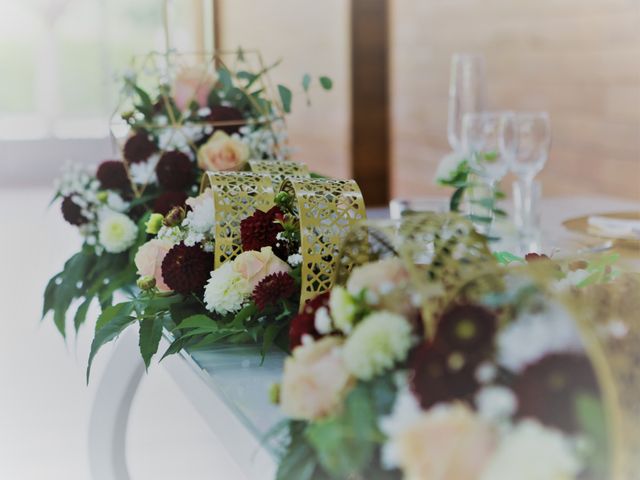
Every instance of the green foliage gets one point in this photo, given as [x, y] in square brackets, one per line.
[505, 258]
[111, 323]
[326, 83]
[285, 98]
[85, 277]
[345, 444]
[600, 270]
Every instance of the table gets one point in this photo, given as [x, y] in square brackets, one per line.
[227, 385]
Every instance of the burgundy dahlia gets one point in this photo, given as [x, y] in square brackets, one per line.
[72, 212]
[304, 323]
[174, 170]
[261, 230]
[272, 288]
[112, 175]
[167, 200]
[467, 329]
[186, 269]
[547, 390]
[532, 257]
[139, 147]
[224, 115]
[437, 376]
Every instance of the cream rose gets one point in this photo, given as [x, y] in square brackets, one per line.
[445, 443]
[254, 266]
[192, 84]
[315, 380]
[386, 286]
[222, 153]
[149, 260]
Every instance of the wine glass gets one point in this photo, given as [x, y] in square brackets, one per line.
[467, 93]
[526, 139]
[481, 144]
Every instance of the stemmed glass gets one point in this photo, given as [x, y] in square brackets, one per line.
[526, 139]
[481, 143]
[467, 94]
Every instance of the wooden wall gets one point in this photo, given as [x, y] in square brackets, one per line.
[578, 59]
[312, 37]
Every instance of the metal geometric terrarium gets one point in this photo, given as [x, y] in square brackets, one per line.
[176, 101]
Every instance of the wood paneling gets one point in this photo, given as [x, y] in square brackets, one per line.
[577, 59]
[370, 99]
[311, 37]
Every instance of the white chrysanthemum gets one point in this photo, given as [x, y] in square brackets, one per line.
[144, 173]
[376, 343]
[117, 232]
[343, 309]
[201, 218]
[447, 166]
[406, 411]
[536, 334]
[533, 452]
[226, 290]
[322, 321]
[496, 403]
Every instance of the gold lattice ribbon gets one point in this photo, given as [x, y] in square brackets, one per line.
[236, 196]
[327, 210]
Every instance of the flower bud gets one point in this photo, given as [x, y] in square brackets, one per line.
[102, 196]
[154, 223]
[274, 393]
[174, 217]
[283, 200]
[146, 283]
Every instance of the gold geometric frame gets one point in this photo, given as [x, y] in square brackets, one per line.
[157, 65]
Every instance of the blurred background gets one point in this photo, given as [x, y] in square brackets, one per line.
[384, 122]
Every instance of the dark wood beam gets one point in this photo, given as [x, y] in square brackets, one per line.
[370, 99]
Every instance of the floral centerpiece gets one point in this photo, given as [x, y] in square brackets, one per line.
[504, 379]
[179, 117]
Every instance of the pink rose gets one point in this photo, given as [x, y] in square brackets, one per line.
[192, 84]
[149, 261]
[315, 380]
[387, 286]
[223, 153]
[255, 266]
[445, 443]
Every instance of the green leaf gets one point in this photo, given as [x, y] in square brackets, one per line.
[150, 334]
[110, 324]
[285, 97]
[299, 462]
[505, 258]
[326, 83]
[81, 313]
[346, 444]
[49, 294]
[456, 198]
[199, 321]
[270, 334]
[224, 76]
[306, 82]
[479, 218]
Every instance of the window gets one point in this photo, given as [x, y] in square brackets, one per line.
[59, 59]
